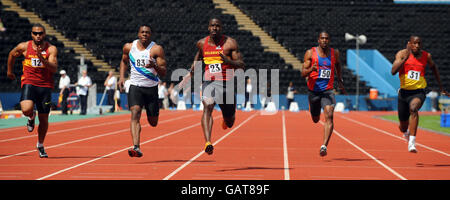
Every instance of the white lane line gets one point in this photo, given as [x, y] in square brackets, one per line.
[285, 151]
[201, 152]
[93, 137]
[393, 135]
[118, 151]
[70, 129]
[368, 154]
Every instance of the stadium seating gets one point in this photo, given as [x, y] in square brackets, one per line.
[105, 26]
[18, 30]
[387, 26]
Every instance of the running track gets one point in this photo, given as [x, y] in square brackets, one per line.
[282, 146]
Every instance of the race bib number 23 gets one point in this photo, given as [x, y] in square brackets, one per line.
[215, 68]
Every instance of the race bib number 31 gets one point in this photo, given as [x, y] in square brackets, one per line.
[215, 68]
[413, 75]
[325, 73]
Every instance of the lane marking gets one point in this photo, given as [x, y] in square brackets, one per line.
[367, 154]
[393, 135]
[201, 152]
[285, 151]
[93, 137]
[118, 151]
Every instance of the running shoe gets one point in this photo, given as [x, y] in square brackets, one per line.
[30, 123]
[135, 152]
[412, 148]
[209, 148]
[42, 153]
[323, 150]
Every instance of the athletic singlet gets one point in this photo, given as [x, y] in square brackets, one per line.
[412, 74]
[214, 67]
[322, 79]
[140, 75]
[34, 72]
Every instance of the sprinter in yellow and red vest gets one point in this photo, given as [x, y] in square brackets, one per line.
[410, 63]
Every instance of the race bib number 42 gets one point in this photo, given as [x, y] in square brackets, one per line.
[325, 73]
[215, 68]
[413, 75]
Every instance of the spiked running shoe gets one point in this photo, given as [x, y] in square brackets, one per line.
[135, 152]
[209, 148]
[323, 150]
[30, 123]
[412, 148]
[42, 153]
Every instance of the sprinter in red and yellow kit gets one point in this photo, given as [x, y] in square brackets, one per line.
[410, 63]
[39, 65]
[220, 55]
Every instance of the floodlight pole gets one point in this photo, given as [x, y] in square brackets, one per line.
[357, 73]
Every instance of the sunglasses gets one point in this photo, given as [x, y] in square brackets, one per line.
[37, 33]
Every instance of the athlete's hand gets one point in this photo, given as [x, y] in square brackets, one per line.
[39, 52]
[314, 67]
[341, 87]
[185, 80]
[11, 76]
[151, 64]
[121, 84]
[407, 52]
[225, 59]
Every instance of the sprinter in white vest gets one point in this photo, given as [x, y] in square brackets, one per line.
[147, 62]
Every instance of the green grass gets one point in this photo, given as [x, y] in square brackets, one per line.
[431, 122]
[22, 121]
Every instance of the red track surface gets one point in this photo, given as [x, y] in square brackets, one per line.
[275, 147]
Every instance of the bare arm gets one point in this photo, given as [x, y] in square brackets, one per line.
[436, 74]
[52, 61]
[236, 56]
[400, 59]
[124, 64]
[307, 68]
[339, 71]
[160, 65]
[13, 54]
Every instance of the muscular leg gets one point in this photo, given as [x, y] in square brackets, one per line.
[27, 107]
[135, 124]
[43, 127]
[414, 107]
[328, 127]
[207, 120]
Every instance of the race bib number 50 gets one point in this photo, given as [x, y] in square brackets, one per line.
[325, 73]
[215, 68]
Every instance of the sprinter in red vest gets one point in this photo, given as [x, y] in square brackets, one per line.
[39, 65]
[319, 65]
[221, 55]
